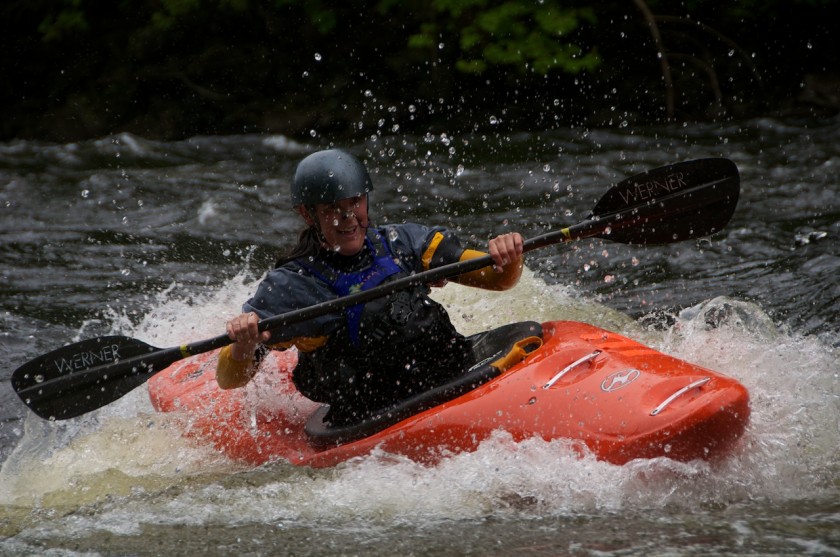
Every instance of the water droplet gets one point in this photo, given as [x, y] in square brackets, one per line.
[85, 193]
[494, 120]
[317, 56]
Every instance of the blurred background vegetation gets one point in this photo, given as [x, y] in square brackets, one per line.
[169, 69]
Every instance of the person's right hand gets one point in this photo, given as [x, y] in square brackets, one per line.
[245, 334]
[505, 249]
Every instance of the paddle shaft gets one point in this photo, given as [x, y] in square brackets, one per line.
[606, 224]
[151, 363]
[602, 225]
[664, 205]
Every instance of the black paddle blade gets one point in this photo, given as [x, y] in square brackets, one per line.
[669, 204]
[678, 202]
[84, 376]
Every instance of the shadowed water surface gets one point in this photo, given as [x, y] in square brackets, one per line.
[163, 241]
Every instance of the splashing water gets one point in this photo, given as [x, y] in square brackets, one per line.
[123, 479]
[128, 452]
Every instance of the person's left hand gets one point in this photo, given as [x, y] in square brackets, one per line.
[505, 249]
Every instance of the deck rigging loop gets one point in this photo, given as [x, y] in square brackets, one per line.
[693, 385]
[570, 367]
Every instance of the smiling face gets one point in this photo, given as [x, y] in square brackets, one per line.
[342, 224]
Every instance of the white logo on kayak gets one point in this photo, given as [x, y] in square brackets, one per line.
[619, 379]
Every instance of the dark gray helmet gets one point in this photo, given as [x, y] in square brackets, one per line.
[329, 176]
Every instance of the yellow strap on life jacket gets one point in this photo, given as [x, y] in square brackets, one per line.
[430, 251]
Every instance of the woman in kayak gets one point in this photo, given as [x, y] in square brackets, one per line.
[374, 354]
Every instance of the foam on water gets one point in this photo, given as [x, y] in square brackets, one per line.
[791, 446]
[130, 466]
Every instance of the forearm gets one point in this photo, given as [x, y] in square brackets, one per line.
[234, 372]
[235, 369]
[487, 277]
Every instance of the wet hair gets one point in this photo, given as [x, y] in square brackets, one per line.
[309, 243]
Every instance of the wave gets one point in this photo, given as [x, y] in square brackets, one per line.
[125, 459]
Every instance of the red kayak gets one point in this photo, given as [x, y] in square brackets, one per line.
[618, 399]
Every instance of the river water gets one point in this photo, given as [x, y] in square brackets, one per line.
[162, 241]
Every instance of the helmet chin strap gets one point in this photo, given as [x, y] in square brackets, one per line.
[365, 225]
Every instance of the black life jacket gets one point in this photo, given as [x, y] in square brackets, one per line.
[386, 349]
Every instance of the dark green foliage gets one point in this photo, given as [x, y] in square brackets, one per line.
[521, 35]
[174, 68]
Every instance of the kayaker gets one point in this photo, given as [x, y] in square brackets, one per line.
[374, 354]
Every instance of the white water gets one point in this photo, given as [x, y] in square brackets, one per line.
[126, 468]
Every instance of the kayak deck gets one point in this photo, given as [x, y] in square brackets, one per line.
[619, 399]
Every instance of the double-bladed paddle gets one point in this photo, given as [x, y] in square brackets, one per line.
[669, 204]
